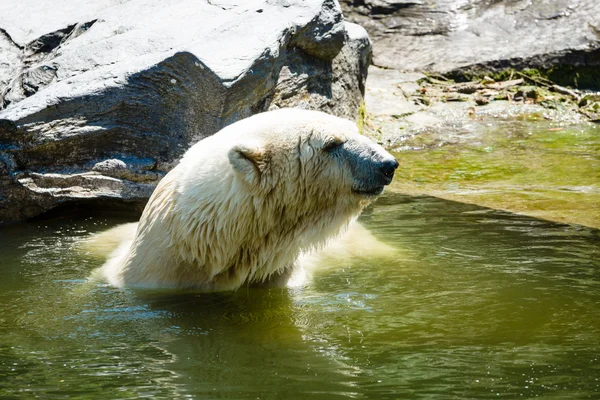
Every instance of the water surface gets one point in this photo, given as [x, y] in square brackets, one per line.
[529, 165]
[475, 303]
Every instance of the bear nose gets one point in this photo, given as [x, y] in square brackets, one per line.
[388, 167]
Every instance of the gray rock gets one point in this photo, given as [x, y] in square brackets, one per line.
[447, 35]
[100, 99]
[324, 36]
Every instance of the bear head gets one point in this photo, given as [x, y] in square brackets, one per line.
[315, 157]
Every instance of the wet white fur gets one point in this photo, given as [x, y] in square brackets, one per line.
[243, 204]
[357, 242]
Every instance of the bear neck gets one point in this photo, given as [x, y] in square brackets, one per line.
[243, 239]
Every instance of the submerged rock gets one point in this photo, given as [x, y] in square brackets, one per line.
[99, 100]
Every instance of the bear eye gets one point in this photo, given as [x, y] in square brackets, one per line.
[332, 144]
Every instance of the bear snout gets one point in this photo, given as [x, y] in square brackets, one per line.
[388, 167]
[372, 179]
[384, 171]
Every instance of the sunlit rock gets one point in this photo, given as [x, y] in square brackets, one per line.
[84, 82]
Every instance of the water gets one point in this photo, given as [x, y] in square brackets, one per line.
[475, 303]
[541, 168]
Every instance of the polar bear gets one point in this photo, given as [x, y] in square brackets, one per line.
[243, 204]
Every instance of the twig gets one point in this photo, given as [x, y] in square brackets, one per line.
[504, 84]
[534, 80]
[568, 92]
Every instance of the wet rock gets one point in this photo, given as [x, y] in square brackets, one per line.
[404, 105]
[388, 92]
[590, 106]
[475, 36]
[100, 99]
[481, 100]
[528, 92]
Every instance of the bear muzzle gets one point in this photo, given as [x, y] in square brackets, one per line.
[387, 168]
[381, 176]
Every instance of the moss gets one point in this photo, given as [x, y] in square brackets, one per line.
[435, 79]
[550, 104]
[456, 97]
[530, 117]
[578, 77]
[470, 75]
[361, 117]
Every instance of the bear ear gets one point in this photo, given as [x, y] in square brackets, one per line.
[249, 159]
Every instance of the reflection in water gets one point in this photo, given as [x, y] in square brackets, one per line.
[473, 302]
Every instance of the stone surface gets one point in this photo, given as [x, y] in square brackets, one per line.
[98, 100]
[446, 35]
[403, 105]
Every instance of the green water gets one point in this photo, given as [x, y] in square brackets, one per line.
[545, 169]
[476, 304]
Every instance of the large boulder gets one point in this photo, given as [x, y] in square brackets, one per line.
[448, 36]
[99, 99]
